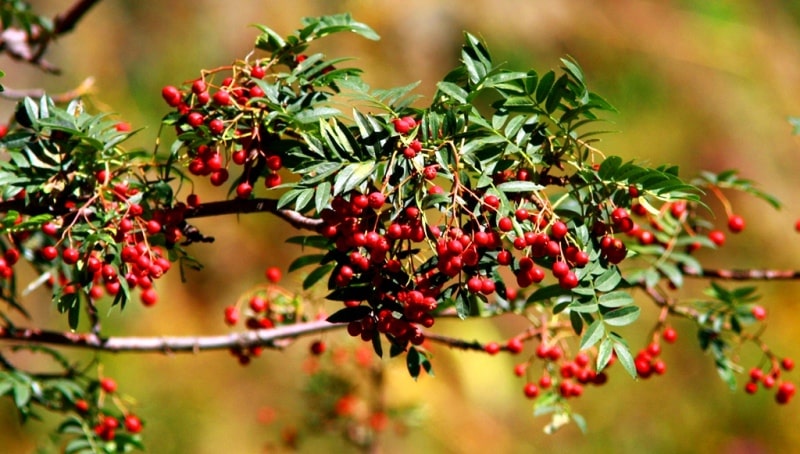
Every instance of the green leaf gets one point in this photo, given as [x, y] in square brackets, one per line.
[453, 91]
[305, 260]
[593, 334]
[608, 281]
[314, 276]
[604, 353]
[622, 316]
[615, 299]
[314, 115]
[625, 358]
[545, 84]
[349, 314]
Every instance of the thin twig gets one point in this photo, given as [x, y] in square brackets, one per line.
[166, 344]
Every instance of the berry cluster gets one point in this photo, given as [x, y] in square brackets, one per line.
[785, 389]
[265, 307]
[107, 423]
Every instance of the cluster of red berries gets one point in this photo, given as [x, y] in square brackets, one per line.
[647, 361]
[106, 425]
[140, 263]
[209, 111]
[569, 376]
[262, 314]
[786, 389]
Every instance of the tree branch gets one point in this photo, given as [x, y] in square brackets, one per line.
[31, 46]
[175, 344]
[240, 206]
[743, 275]
[60, 98]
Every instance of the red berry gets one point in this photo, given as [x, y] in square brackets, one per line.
[81, 406]
[149, 297]
[735, 223]
[376, 200]
[759, 312]
[273, 274]
[717, 237]
[195, 119]
[171, 95]
[49, 253]
[258, 72]
[751, 388]
[108, 385]
[558, 230]
[216, 126]
[243, 190]
[787, 364]
[219, 177]
[70, 255]
[568, 281]
[474, 284]
[153, 227]
[198, 86]
[515, 345]
[133, 424]
[560, 269]
[669, 335]
[492, 348]
[231, 315]
[50, 229]
[756, 375]
[491, 200]
[274, 163]
[222, 98]
[531, 390]
[317, 348]
[505, 224]
[272, 180]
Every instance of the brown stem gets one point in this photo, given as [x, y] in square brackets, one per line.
[175, 344]
[31, 46]
[240, 206]
[60, 98]
[743, 275]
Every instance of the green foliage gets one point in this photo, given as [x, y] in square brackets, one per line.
[491, 199]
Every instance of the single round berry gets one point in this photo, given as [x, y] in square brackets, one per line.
[505, 224]
[759, 312]
[669, 335]
[717, 237]
[108, 385]
[133, 424]
[787, 364]
[231, 315]
[531, 390]
[317, 348]
[492, 348]
[70, 255]
[244, 190]
[515, 345]
[49, 253]
[735, 223]
[149, 297]
[558, 230]
[273, 274]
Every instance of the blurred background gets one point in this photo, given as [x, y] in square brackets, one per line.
[704, 85]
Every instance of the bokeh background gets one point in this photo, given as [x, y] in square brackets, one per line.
[702, 84]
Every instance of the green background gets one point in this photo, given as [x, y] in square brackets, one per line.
[705, 85]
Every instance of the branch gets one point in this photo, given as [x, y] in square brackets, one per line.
[240, 206]
[175, 344]
[743, 275]
[31, 46]
[219, 208]
[60, 98]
